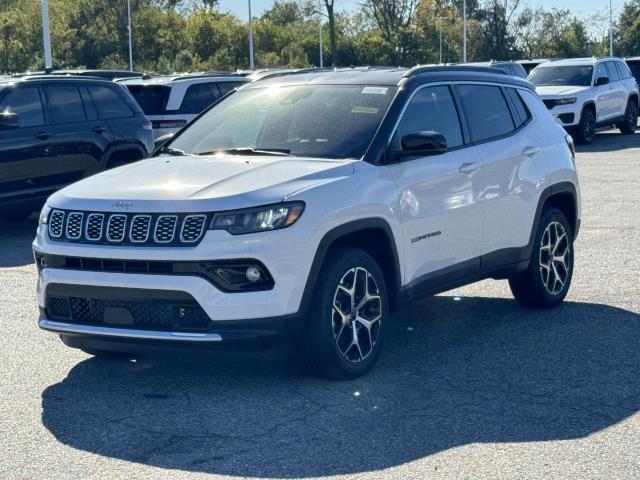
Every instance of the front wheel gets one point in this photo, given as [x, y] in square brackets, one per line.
[546, 281]
[583, 133]
[343, 335]
[630, 123]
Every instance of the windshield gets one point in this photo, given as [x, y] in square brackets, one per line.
[575, 75]
[329, 121]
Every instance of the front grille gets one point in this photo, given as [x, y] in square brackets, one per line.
[140, 315]
[179, 229]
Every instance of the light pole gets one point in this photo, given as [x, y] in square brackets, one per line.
[251, 64]
[320, 32]
[129, 29]
[610, 30]
[48, 64]
[440, 19]
[464, 31]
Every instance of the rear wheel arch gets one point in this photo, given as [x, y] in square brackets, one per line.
[374, 236]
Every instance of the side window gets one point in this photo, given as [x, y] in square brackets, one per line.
[622, 70]
[431, 109]
[65, 104]
[601, 71]
[26, 104]
[522, 111]
[226, 87]
[486, 110]
[198, 97]
[109, 104]
[614, 76]
[89, 109]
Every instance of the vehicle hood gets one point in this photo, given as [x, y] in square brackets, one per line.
[546, 91]
[197, 183]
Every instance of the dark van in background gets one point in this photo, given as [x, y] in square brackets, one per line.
[56, 130]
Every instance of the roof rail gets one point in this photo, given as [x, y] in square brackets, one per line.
[452, 68]
[61, 77]
[204, 75]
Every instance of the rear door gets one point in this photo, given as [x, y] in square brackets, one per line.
[26, 163]
[442, 219]
[80, 137]
[618, 90]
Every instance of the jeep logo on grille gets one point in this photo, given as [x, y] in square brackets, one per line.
[122, 204]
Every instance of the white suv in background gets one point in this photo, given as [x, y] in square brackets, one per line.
[170, 102]
[586, 93]
[310, 206]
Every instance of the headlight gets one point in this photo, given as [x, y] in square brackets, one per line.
[566, 101]
[259, 219]
[44, 215]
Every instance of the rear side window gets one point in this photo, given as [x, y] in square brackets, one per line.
[26, 104]
[226, 87]
[623, 70]
[431, 109]
[487, 112]
[109, 104]
[198, 97]
[522, 111]
[151, 98]
[614, 76]
[65, 104]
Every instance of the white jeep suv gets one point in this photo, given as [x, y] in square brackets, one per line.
[311, 206]
[586, 93]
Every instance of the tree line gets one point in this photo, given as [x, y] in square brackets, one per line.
[196, 35]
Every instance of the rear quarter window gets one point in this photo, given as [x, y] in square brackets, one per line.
[109, 104]
[151, 98]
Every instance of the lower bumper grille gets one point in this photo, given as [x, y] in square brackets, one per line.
[159, 314]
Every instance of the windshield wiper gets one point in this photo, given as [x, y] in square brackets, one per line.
[251, 151]
[173, 151]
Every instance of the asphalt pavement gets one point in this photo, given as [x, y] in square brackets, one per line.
[470, 385]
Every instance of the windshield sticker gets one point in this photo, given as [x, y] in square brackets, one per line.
[375, 90]
[371, 110]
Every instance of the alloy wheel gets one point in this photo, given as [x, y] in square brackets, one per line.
[632, 116]
[554, 258]
[589, 126]
[356, 314]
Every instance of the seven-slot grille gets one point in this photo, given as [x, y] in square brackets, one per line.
[127, 229]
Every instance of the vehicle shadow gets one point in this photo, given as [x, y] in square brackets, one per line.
[15, 242]
[610, 141]
[453, 372]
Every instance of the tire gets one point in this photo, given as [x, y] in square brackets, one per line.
[546, 281]
[628, 127]
[583, 133]
[15, 215]
[328, 344]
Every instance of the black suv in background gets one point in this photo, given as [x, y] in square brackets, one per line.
[56, 130]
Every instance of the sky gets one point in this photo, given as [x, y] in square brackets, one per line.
[580, 8]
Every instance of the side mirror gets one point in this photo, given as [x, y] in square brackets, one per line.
[422, 144]
[602, 81]
[9, 120]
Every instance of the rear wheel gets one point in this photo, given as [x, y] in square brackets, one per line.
[343, 335]
[546, 281]
[630, 123]
[583, 133]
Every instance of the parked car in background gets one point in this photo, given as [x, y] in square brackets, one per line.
[510, 68]
[56, 130]
[170, 102]
[634, 65]
[586, 93]
[96, 73]
[530, 64]
[308, 207]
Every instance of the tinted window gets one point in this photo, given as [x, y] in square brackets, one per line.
[89, 109]
[151, 98]
[601, 71]
[635, 69]
[109, 104]
[614, 76]
[574, 75]
[226, 87]
[486, 110]
[522, 112]
[622, 69]
[198, 97]
[431, 109]
[26, 103]
[65, 104]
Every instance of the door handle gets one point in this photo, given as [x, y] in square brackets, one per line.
[99, 129]
[530, 151]
[468, 168]
[43, 135]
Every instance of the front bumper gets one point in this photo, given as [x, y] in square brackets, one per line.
[566, 115]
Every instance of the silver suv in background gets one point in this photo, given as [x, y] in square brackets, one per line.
[586, 93]
[170, 102]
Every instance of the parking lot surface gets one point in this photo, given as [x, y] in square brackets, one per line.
[470, 385]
